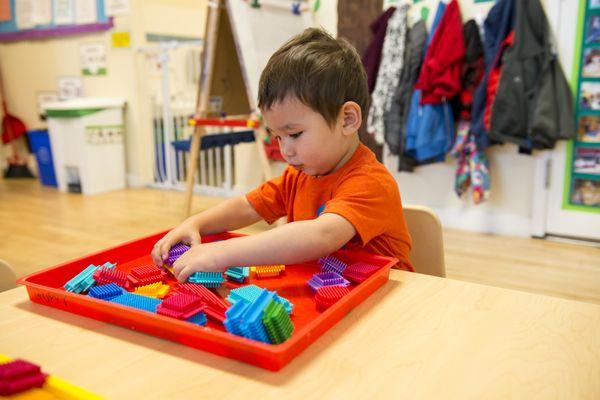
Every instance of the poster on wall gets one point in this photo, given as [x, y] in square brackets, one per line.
[69, 87]
[93, 59]
[583, 186]
[116, 7]
[64, 12]
[24, 14]
[42, 12]
[5, 10]
[85, 12]
[120, 39]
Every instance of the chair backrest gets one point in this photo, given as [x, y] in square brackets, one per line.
[8, 277]
[427, 254]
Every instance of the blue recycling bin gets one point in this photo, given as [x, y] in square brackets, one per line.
[40, 145]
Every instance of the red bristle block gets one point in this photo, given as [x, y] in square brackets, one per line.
[104, 276]
[210, 298]
[145, 275]
[181, 306]
[359, 272]
[215, 305]
[20, 375]
[327, 295]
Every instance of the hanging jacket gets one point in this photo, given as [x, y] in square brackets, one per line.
[533, 106]
[494, 79]
[372, 56]
[390, 68]
[429, 127]
[473, 70]
[498, 24]
[395, 118]
[440, 76]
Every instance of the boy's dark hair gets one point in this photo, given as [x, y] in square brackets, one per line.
[321, 71]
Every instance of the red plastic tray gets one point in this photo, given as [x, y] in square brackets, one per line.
[46, 287]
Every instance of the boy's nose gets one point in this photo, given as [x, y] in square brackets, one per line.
[287, 150]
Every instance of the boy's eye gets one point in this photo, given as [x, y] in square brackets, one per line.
[296, 135]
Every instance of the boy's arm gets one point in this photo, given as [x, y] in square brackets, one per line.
[228, 215]
[288, 244]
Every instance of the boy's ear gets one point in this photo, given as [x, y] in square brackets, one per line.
[352, 117]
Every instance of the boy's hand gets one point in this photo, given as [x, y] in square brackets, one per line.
[186, 232]
[202, 257]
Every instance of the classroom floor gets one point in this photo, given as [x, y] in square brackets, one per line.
[41, 227]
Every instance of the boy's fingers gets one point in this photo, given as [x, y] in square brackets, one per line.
[160, 252]
[156, 253]
[195, 239]
[177, 267]
[184, 274]
[164, 248]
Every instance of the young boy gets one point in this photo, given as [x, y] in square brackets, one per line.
[334, 192]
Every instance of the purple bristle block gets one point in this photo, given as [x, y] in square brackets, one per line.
[330, 263]
[175, 252]
[329, 278]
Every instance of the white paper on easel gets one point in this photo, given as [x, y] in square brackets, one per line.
[85, 12]
[42, 12]
[116, 7]
[24, 14]
[255, 39]
[64, 12]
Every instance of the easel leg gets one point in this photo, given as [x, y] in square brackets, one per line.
[191, 171]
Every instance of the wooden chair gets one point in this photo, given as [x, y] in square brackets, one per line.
[427, 254]
[7, 276]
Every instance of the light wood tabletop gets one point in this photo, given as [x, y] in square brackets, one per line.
[417, 337]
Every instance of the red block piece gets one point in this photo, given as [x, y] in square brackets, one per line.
[359, 272]
[19, 375]
[104, 276]
[215, 305]
[210, 298]
[181, 306]
[327, 296]
[145, 275]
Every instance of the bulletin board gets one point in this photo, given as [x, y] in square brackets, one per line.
[41, 19]
[583, 153]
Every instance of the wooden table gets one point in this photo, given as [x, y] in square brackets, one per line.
[417, 337]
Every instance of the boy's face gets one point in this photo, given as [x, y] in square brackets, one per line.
[307, 142]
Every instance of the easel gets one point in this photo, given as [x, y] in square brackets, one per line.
[221, 72]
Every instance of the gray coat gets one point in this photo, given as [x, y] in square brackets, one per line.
[533, 106]
[395, 118]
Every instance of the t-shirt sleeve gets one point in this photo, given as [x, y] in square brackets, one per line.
[269, 199]
[366, 203]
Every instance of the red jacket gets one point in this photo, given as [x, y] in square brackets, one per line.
[440, 76]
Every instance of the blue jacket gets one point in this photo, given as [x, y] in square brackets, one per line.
[429, 127]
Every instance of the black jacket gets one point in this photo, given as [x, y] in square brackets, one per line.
[533, 106]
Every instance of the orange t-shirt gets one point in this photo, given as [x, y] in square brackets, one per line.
[362, 191]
